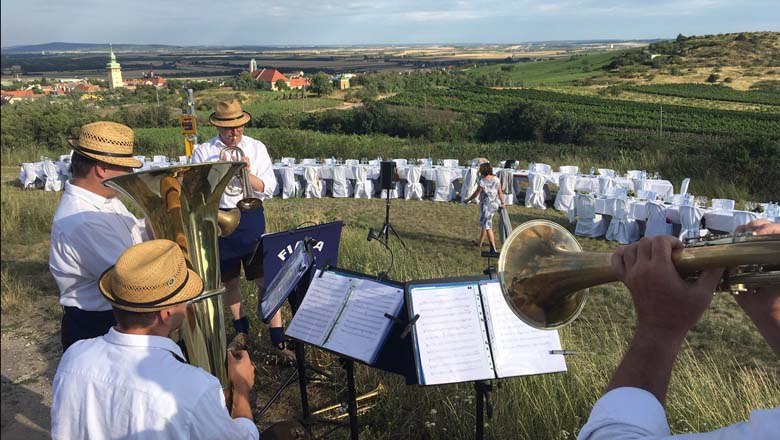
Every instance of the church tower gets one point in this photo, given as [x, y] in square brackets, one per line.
[252, 65]
[114, 72]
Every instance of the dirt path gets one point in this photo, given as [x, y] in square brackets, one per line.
[30, 353]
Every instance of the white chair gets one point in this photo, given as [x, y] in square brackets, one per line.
[622, 228]
[141, 159]
[373, 162]
[27, 175]
[445, 190]
[589, 224]
[400, 162]
[351, 162]
[542, 168]
[288, 160]
[53, 181]
[314, 186]
[290, 185]
[534, 195]
[159, 159]
[450, 163]
[507, 177]
[564, 200]
[690, 221]
[414, 189]
[723, 204]
[66, 157]
[341, 186]
[364, 187]
[470, 180]
[568, 169]
[605, 185]
[606, 172]
[329, 161]
[684, 185]
[656, 220]
[634, 174]
[743, 218]
[309, 161]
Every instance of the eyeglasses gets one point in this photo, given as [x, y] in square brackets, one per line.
[229, 129]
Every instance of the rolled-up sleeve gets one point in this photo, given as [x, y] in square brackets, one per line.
[211, 420]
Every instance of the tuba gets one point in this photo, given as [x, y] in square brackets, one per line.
[181, 204]
[545, 276]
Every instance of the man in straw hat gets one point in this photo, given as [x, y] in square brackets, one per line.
[92, 228]
[237, 249]
[133, 381]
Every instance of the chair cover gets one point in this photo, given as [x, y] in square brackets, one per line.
[684, 185]
[445, 190]
[743, 218]
[66, 157]
[290, 185]
[313, 183]
[364, 187]
[351, 162]
[158, 158]
[470, 180]
[568, 169]
[634, 174]
[504, 225]
[53, 181]
[690, 219]
[723, 204]
[400, 162]
[605, 185]
[374, 162]
[309, 161]
[414, 189]
[606, 172]
[534, 196]
[656, 220]
[589, 224]
[450, 163]
[507, 177]
[622, 228]
[28, 175]
[564, 201]
[288, 160]
[542, 168]
[394, 193]
[184, 160]
[341, 186]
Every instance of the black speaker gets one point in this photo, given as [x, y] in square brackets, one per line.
[386, 174]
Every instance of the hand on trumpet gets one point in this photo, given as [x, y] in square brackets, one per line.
[664, 301]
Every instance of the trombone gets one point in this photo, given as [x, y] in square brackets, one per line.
[249, 202]
[545, 275]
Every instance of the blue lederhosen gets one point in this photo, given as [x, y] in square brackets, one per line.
[239, 248]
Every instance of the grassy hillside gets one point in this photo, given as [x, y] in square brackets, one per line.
[557, 71]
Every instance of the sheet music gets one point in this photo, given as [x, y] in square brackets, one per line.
[518, 349]
[362, 327]
[450, 334]
[284, 282]
[320, 307]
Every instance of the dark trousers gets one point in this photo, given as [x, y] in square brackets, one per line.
[80, 324]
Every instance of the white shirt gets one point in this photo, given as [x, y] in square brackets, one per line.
[633, 413]
[133, 387]
[260, 165]
[88, 235]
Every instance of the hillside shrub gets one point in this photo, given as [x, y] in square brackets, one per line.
[534, 122]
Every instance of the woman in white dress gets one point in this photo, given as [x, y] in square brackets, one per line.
[490, 199]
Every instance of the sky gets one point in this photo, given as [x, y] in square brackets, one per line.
[348, 22]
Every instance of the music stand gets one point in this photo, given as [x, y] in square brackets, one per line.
[386, 177]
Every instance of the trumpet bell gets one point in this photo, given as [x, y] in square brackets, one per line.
[529, 269]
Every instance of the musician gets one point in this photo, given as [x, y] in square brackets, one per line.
[667, 308]
[133, 381]
[91, 228]
[230, 120]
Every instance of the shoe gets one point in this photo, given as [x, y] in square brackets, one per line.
[238, 343]
[284, 356]
[475, 243]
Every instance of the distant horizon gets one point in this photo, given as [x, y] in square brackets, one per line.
[375, 23]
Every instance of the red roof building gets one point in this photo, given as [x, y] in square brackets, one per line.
[271, 76]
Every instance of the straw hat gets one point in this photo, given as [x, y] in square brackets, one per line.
[150, 276]
[107, 142]
[229, 114]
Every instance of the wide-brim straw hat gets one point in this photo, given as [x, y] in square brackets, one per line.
[150, 276]
[229, 114]
[107, 142]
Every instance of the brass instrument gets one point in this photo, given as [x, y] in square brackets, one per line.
[181, 204]
[545, 276]
[249, 202]
[364, 402]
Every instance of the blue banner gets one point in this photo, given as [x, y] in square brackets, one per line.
[278, 246]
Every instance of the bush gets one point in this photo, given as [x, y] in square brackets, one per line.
[534, 122]
[713, 78]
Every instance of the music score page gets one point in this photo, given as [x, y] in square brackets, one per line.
[450, 334]
[320, 308]
[518, 349]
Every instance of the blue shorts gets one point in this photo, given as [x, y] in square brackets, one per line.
[239, 248]
[80, 324]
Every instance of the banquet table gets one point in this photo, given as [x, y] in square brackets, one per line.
[714, 219]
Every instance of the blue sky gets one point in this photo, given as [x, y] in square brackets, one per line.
[299, 22]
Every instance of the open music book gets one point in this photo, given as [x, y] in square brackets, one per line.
[466, 332]
[345, 313]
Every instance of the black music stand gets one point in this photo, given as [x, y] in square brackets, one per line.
[483, 406]
[386, 175]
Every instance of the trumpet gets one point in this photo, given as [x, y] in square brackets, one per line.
[364, 402]
[545, 276]
[249, 202]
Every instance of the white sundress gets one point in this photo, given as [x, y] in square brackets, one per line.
[488, 201]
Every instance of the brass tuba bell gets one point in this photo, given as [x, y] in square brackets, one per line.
[545, 276]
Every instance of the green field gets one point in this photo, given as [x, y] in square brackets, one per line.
[724, 371]
[710, 92]
[556, 71]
